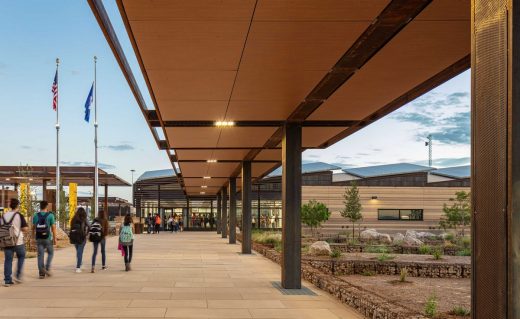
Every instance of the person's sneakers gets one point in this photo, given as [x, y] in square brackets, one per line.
[18, 280]
[127, 266]
[93, 270]
[42, 276]
[78, 270]
[48, 273]
[8, 284]
[104, 268]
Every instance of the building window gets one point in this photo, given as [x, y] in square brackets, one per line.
[400, 214]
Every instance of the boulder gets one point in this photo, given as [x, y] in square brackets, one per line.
[423, 235]
[369, 234]
[411, 241]
[385, 238]
[411, 233]
[61, 234]
[398, 238]
[320, 248]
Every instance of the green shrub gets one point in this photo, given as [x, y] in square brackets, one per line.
[278, 247]
[398, 242]
[465, 242]
[464, 252]
[460, 311]
[437, 254]
[377, 249]
[449, 237]
[266, 237]
[305, 249]
[367, 273]
[430, 308]
[384, 257]
[425, 250]
[403, 274]
[336, 253]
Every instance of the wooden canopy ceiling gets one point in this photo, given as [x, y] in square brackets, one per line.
[35, 175]
[335, 66]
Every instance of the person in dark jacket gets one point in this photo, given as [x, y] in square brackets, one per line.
[103, 222]
[78, 235]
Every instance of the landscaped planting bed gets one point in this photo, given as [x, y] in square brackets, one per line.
[380, 296]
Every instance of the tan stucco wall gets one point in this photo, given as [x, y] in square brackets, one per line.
[430, 199]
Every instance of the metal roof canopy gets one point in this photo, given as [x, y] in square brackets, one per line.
[82, 175]
[334, 66]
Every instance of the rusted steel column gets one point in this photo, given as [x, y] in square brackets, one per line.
[291, 205]
[232, 210]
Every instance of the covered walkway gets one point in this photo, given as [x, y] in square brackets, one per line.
[184, 275]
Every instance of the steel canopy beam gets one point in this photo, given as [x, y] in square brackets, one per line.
[156, 123]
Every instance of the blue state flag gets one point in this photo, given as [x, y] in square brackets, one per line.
[88, 103]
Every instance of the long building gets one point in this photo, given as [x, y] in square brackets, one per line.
[394, 197]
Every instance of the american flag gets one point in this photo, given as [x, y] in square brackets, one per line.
[55, 92]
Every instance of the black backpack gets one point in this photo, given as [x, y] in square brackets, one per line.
[42, 227]
[95, 232]
[77, 234]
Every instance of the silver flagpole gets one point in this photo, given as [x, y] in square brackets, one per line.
[96, 175]
[57, 148]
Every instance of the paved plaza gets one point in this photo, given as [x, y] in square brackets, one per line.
[184, 275]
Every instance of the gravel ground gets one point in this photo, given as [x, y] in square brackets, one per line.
[413, 294]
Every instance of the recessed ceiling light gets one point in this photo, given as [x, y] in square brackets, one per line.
[202, 193]
[211, 161]
[204, 186]
[207, 177]
[224, 123]
[7, 179]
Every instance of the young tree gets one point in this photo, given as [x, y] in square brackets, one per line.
[458, 214]
[314, 213]
[352, 210]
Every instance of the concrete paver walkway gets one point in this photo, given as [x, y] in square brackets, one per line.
[184, 275]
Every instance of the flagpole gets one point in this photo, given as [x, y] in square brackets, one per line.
[58, 193]
[96, 175]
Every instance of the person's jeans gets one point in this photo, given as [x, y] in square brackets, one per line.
[8, 262]
[79, 254]
[103, 254]
[128, 253]
[44, 245]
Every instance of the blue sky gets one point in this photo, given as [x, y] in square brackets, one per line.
[35, 32]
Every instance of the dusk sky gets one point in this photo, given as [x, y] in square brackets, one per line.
[35, 32]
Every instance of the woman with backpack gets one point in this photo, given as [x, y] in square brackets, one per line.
[97, 234]
[126, 240]
[78, 235]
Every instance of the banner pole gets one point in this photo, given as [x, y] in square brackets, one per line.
[58, 193]
[96, 174]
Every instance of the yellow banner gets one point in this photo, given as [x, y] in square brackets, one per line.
[25, 198]
[73, 199]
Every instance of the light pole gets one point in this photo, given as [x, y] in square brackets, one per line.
[133, 171]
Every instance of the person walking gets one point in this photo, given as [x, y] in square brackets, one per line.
[44, 231]
[157, 223]
[78, 235]
[171, 223]
[13, 226]
[126, 241]
[97, 234]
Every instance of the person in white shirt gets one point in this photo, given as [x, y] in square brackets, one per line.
[20, 225]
